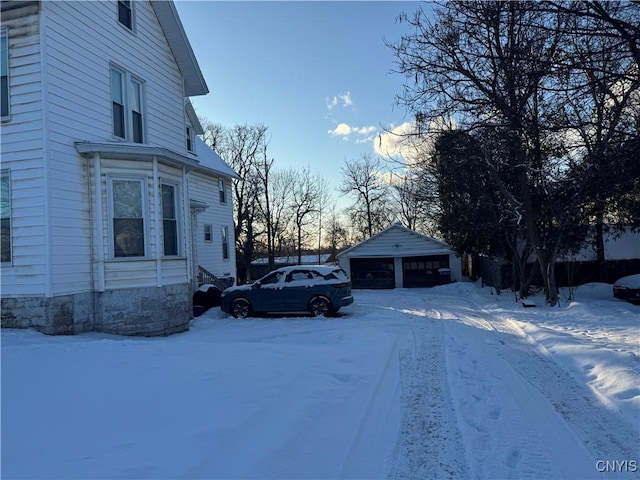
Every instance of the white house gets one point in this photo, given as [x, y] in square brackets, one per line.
[400, 258]
[104, 197]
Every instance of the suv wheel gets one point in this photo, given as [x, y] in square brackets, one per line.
[320, 306]
[240, 308]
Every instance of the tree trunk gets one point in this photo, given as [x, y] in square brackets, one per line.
[599, 243]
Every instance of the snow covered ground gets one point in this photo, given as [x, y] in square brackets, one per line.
[449, 382]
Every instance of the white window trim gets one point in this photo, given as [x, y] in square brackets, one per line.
[224, 235]
[145, 216]
[208, 227]
[190, 138]
[127, 79]
[222, 191]
[4, 32]
[178, 209]
[9, 262]
[133, 17]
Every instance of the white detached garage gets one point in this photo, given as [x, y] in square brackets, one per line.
[400, 258]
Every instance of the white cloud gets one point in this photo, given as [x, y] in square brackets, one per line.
[341, 130]
[344, 130]
[343, 100]
[395, 142]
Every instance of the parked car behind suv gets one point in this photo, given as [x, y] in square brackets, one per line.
[310, 289]
[628, 289]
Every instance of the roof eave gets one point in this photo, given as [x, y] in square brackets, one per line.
[194, 83]
[129, 151]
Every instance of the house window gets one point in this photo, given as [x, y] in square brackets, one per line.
[189, 136]
[223, 191]
[5, 217]
[208, 233]
[225, 242]
[127, 106]
[169, 220]
[128, 217]
[117, 104]
[4, 73]
[136, 111]
[125, 14]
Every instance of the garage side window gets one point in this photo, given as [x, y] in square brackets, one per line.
[5, 217]
[128, 217]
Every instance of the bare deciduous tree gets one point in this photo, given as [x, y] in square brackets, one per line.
[361, 178]
[242, 147]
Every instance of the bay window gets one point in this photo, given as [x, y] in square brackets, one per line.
[169, 220]
[128, 217]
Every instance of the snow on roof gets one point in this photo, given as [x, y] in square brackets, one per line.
[397, 240]
[292, 260]
[210, 160]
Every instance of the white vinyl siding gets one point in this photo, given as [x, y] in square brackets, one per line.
[78, 69]
[22, 155]
[53, 188]
[204, 188]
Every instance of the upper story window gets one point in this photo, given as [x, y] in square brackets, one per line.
[4, 73]
[5, 217]
[190, 142]
[223, 190]
[125, 14]
[128, 216]
[127, 105]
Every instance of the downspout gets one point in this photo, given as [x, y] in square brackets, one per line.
[46, 173]
[188, 234]
[158, 221]
[97, 171]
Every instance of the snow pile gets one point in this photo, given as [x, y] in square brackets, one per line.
[449, 382]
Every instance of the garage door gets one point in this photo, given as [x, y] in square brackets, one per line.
[372, 273]
[425, 271]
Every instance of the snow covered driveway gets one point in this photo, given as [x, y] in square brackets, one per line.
[449, 382]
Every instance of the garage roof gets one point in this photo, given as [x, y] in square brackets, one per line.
[397, 241]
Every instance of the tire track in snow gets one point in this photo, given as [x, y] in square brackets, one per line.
[603, 433]
[381, 400]
[429, 443]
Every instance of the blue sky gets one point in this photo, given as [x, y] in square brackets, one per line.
[316, 73]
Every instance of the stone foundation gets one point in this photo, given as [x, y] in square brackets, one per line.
[148, 311]
[63, 315]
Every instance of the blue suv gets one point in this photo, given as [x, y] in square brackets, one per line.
[309, 289]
